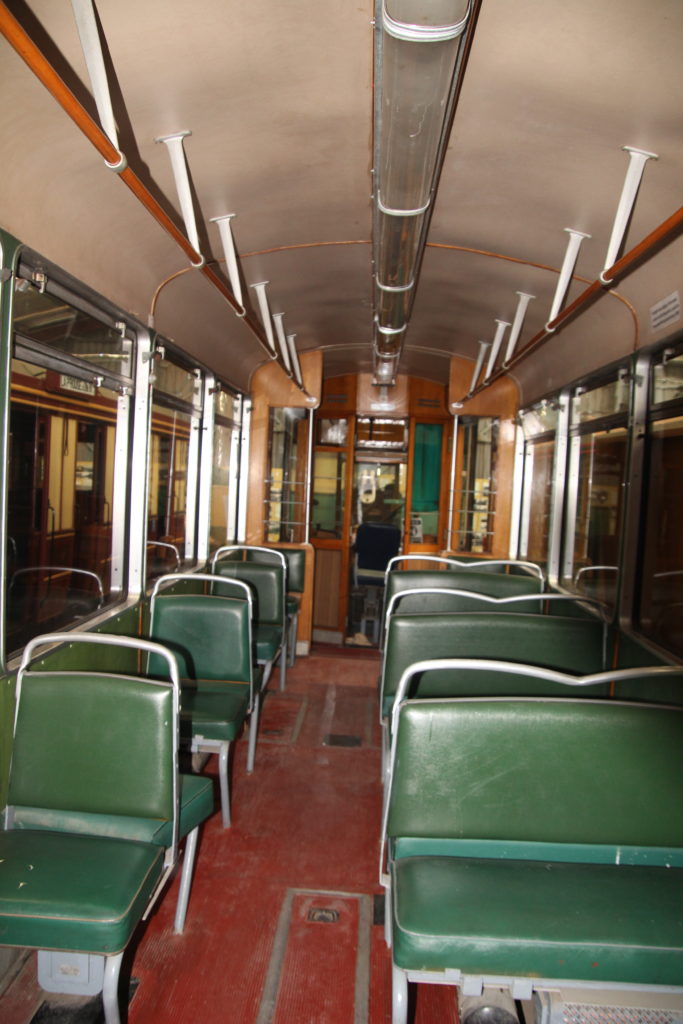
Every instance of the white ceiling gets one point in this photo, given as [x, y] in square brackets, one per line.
[279, 101]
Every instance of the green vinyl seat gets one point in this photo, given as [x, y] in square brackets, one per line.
[96, 755]
[210, 636]
[268, 583]
[535, 842]
[424, 590]
[566, 644]
[296, 584]
[459, 562]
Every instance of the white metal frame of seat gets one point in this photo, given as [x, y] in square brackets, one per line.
[531, 568]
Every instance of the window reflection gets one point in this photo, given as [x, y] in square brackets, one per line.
[598, 466]
[285, 501]
[661, 603]
[477, 495]
[175, 411]
[538, 482]
[62, 444]
[329, 488]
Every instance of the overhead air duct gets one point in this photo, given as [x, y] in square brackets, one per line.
[418, 66]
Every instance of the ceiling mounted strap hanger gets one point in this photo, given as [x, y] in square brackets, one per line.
[517, 324]
[570, 257]
[260, 289]
[483, 348]
[294, 355]
[91, 44]
[282, 341]
[495, 347]
[228, 243]
[637, 160]
[176, 151]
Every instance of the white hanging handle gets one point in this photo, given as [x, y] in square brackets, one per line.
[634, 174]
[174, 144]
[495, 347]
[570, 257]
[483, 346]
[225, 230]
[516, 329]
[260, 289]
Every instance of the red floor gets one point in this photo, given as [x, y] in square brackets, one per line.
[280, 923]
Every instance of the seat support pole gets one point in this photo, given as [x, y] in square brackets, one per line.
[110, 988]
[253, 732]
[185, 880]
[224, 783]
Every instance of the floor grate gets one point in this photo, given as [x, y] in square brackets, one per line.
[337, 739]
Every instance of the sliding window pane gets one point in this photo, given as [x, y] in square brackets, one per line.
[661, 604]
[538, 482]
[598, 471]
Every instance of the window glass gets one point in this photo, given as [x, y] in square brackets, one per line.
[375, 432]
[538, 484]
[604, 400]
[379, 491]
[47, 319]
[174, 408]
[597, 471]
[661, 604]
[477, 493]
[667, 379]
[285, 500]
[167, 496]
[174, 380]
[328, 493]
[333, 432]
[61, 473]
[226, 459]
[540, 419]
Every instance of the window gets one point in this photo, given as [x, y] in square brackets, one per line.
[171, 503]
[67, 483]
[285, 501]
[477, 496]
[329, 489]
[597, 472]
[227, 437]
[660, 613]
[539, 425]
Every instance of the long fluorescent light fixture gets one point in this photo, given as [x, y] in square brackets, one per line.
[417, 64]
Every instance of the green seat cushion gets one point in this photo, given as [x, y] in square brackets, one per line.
[292, 604]
[216, 714]
[196, 805]
[588, 922]
[267, 641]
[76, 892]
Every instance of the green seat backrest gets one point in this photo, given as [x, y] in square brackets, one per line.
[267, 586]
[487, 583]
[296, 566]
[541, 771]
[94, 743]
[568, 645]
[209, 635]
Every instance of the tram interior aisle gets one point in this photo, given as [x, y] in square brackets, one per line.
[285, 915]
